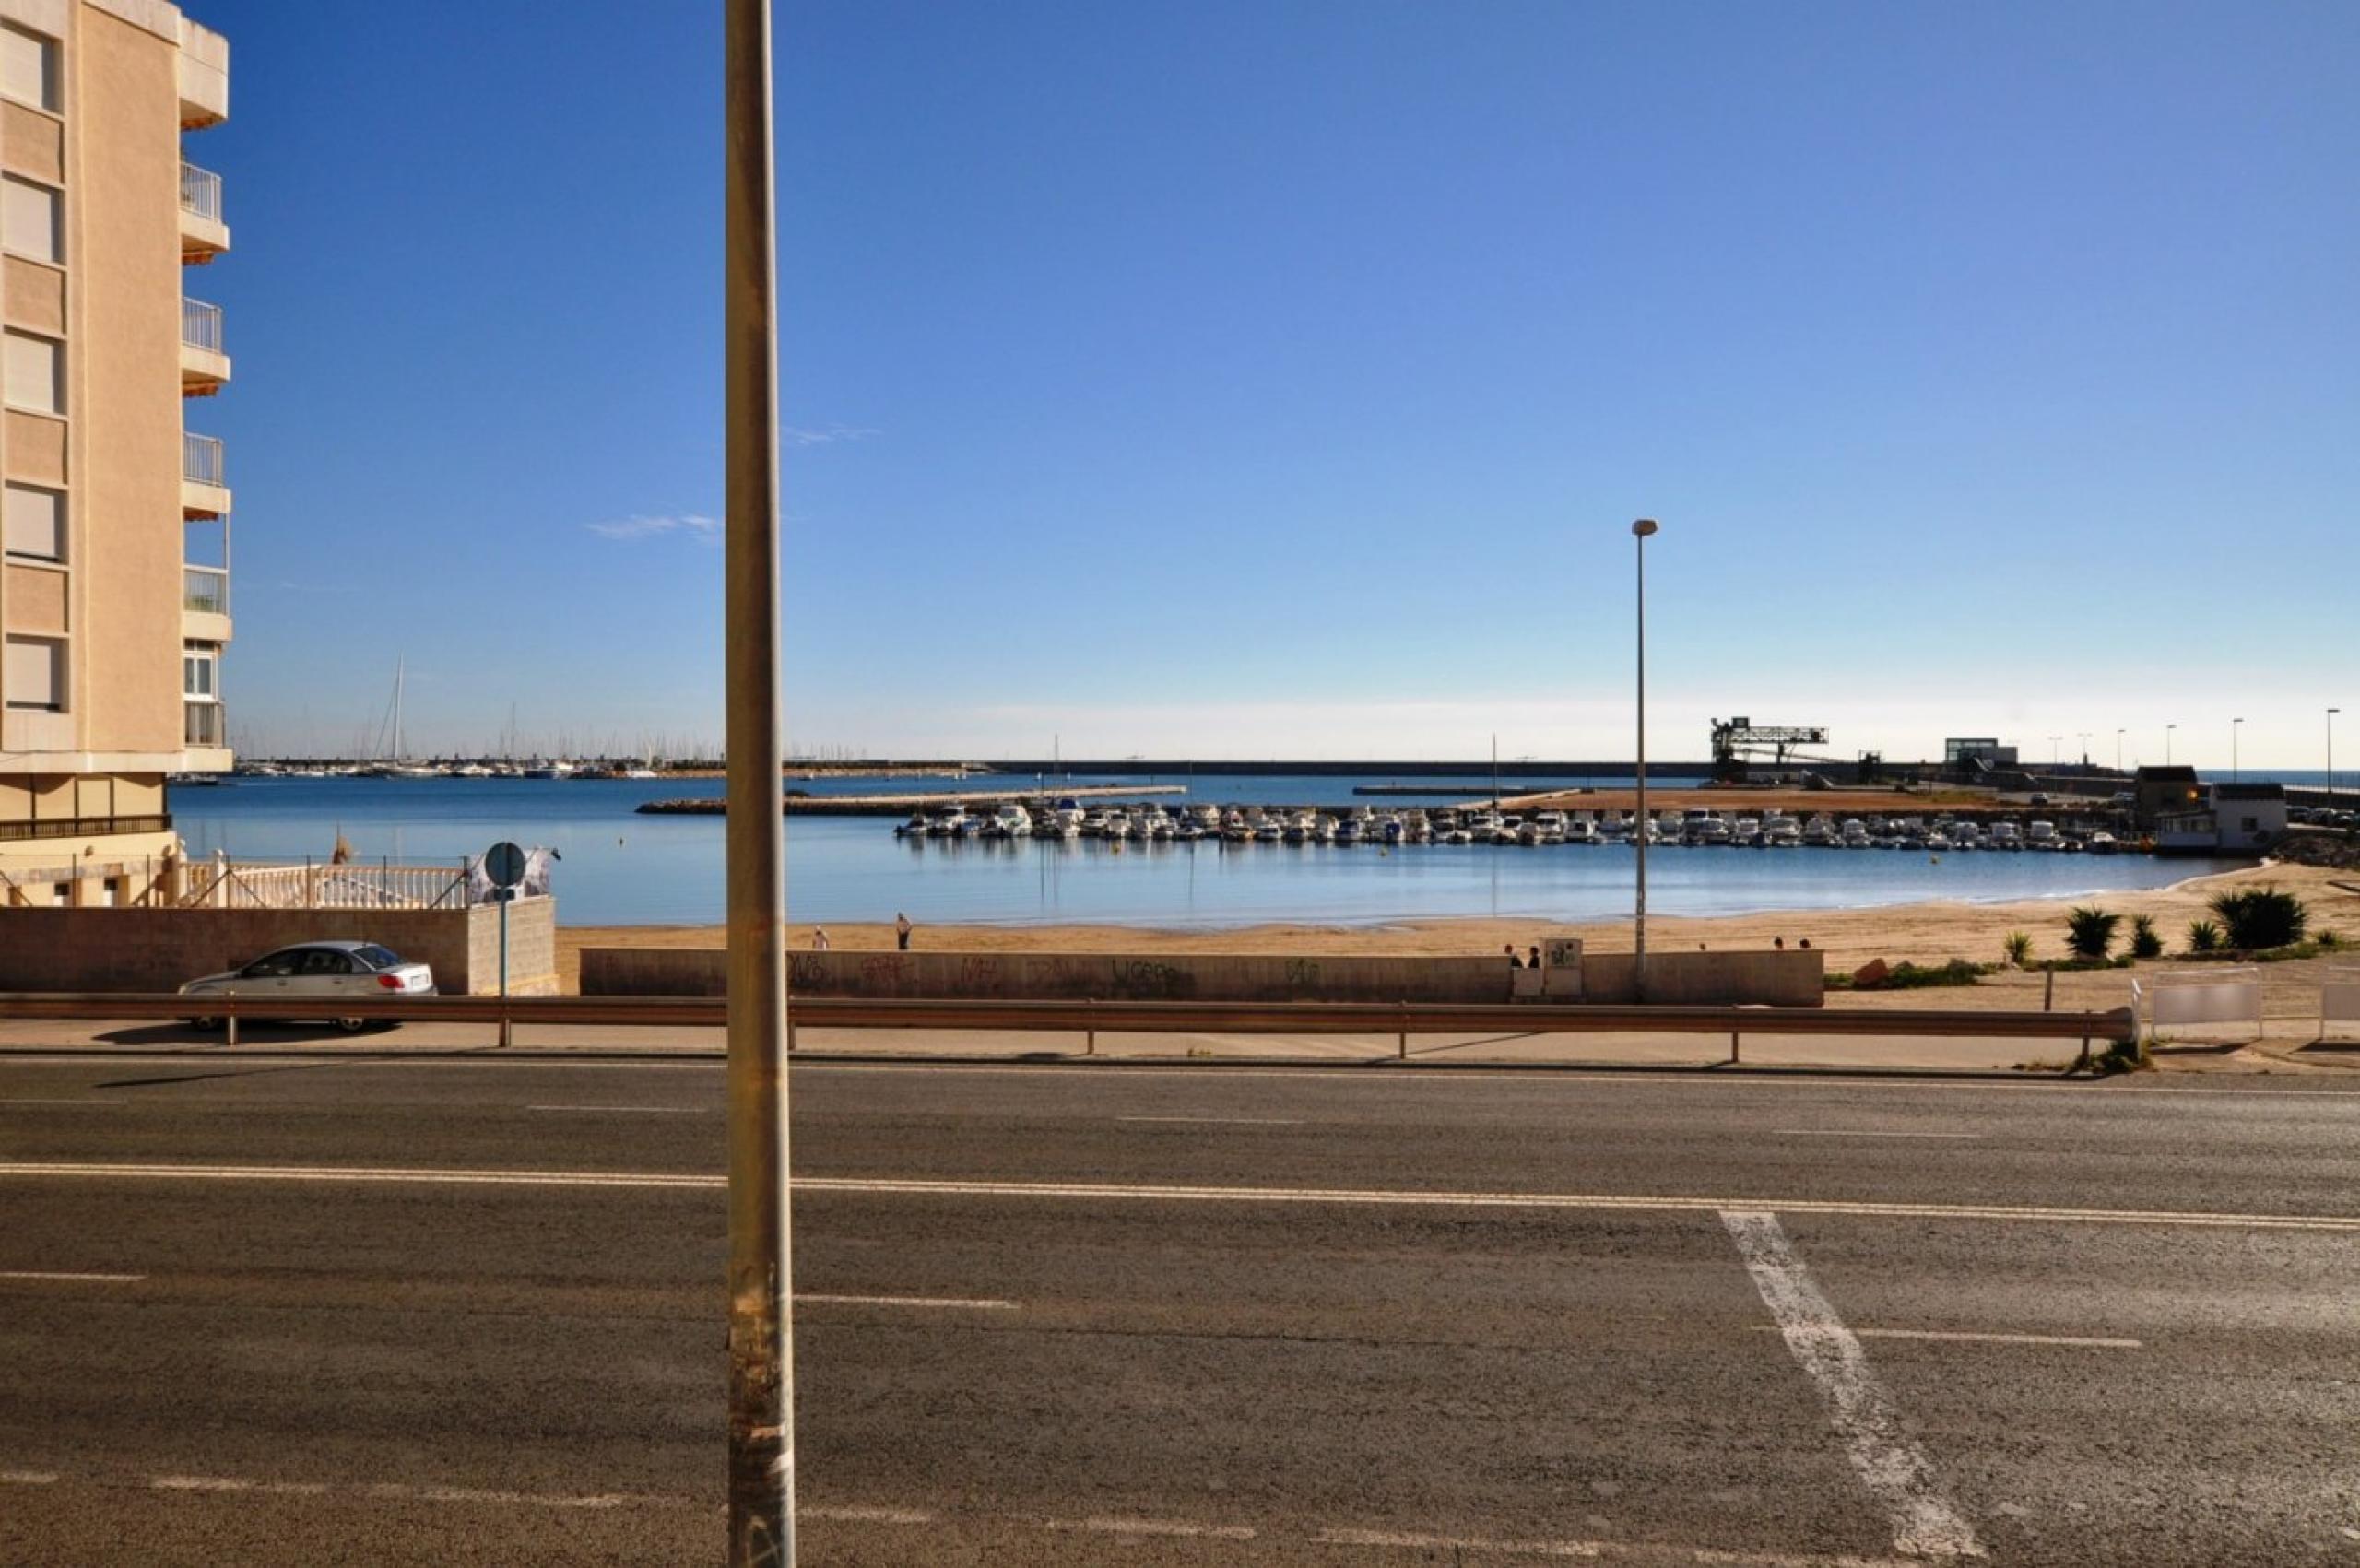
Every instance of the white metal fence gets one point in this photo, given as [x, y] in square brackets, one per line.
[201, 460]
[200, 325]
[201, 191]
[205, 590]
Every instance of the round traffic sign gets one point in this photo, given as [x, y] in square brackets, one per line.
[504, 864]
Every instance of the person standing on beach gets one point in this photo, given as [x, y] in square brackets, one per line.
[818, 938]
[1514, 961]
[902, 932]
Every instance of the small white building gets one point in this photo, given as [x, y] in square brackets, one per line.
[2236, 819]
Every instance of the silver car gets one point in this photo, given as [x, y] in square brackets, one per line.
[325, 969]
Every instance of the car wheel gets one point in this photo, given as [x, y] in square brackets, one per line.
[207, 1024]
[352, 1025]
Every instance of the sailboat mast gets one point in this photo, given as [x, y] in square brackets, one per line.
[401, 745]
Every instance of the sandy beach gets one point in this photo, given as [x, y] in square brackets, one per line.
[1924, 933]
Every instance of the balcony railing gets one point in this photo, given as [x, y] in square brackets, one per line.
[205, 590]
[201, 460]
[201, 191]
[202, 724]
[201, 325]
[83, 827]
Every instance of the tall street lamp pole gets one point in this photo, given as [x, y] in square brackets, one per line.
[1639, 532]
[2168, 744]
[2118, 751]
[760, 1272]
[2235, 772]
[2330, 754]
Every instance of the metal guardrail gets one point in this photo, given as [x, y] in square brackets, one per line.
[201, 460]
[1091, 1018]
[200, 192]
[201, 325]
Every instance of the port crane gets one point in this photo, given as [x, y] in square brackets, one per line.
[1739, 742]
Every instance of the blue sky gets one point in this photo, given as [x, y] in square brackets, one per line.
[1280, 379]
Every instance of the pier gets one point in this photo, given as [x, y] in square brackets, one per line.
[902, 804]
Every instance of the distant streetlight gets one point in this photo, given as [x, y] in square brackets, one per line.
[2330, 754]
[2168, 744]
[2118, 751]
[2234, 772]
[2054, 742]
[1640, 531]
[2084, 736]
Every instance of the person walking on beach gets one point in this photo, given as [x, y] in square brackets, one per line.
[1534, 961]
[818, 938]
[902, 932]
[1514, 961]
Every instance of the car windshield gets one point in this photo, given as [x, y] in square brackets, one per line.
[378, 958]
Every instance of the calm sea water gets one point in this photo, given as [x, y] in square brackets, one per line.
[621, 868]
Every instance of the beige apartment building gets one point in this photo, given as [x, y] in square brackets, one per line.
[114, 524]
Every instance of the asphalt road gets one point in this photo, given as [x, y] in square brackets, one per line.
[275, 1310]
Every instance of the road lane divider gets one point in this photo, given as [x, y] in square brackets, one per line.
[1863, 1132]
[639, 1110]
[68, 1278]
[1980, 1337]
[1401, 1197]
[1219, 1121]
[1887, 1459]
[980, 1304]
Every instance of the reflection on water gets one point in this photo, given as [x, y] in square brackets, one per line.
[619, 868]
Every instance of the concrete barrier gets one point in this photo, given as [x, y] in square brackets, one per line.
[1173, 977]
[1731, 978]
[1790, 979]
[156, 949]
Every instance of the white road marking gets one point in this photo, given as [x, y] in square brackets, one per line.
[1358, 1198]
[1221, 1121]
[974, 1303]
[71, 1278]
[1151, 1527]
[1888, 1459]
[851, 1514]
[1967, 1337]
[27, 1477]
[639, 1110]
[1408, 1540]
[239, 1483]
[1834, 1132]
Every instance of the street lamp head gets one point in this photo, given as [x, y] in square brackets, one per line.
[1644, 526]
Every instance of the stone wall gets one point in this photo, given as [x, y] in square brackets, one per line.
[158, 950]
[1791, 979]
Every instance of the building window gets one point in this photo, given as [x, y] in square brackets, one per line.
[28, 67]
[36, 377]
[200, 672]
[31, 218]
[32, 522]
[33, 674]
